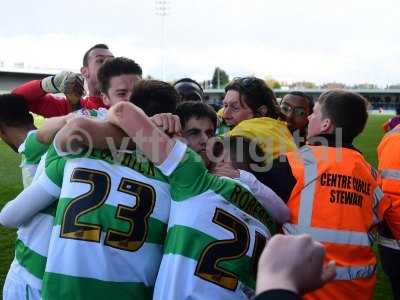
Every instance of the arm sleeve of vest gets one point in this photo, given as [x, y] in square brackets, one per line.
[389, 166]
[277, 295]
[391, 215]
[46, 105]
[279, 178]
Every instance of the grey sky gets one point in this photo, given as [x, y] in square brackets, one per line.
[348, 41]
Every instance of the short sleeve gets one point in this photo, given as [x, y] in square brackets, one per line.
[52, 178]
[190, 177]
[33, 149]
[173, 159]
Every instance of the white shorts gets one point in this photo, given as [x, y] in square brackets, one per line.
[17, 289]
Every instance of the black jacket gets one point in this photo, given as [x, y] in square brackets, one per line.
[280, 177]
[277, 295]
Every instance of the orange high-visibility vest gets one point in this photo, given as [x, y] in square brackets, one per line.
[338, 202]
[389, 166]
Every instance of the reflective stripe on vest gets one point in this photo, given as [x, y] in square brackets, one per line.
[307, 193]
[345, 237]
[390, 174]
[390, 243]
[378, 195]
[350, 273]
[306, 208]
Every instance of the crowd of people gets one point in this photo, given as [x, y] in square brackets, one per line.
[137, 189]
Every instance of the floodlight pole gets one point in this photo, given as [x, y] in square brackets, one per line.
[162, 11]
[218, 77]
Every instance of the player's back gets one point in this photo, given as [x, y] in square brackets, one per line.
[109, 228]
[216, 232]
[27, 268]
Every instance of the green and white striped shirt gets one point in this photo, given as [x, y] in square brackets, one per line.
[109, 227]
[33, 237]
[216, 232]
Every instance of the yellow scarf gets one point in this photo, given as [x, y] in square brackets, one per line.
[271, 135]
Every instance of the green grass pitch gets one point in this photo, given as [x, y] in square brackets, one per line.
[10, 186]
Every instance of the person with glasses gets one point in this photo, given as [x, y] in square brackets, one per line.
[251, 111]
[333, 194]
[296, 107]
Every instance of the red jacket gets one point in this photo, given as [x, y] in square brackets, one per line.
[49, 105]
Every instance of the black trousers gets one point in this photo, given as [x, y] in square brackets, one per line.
[390, 259]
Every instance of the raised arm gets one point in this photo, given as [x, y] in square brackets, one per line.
[85, 132]
[154, 143]
[50, 127]
[39, 94]
[41, 103]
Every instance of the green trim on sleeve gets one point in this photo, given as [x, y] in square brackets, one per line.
[191, 178]
[55, 166]
[34, 149]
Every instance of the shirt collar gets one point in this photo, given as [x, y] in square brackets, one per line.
[332, 142]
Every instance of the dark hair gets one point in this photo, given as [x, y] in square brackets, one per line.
[14, 111]
[308, 98]
[189, 89]
[255, 93]
[243, 152]
[196, 109]
[86, 56]
[347, 110]
[155, 97]
[115, 67]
